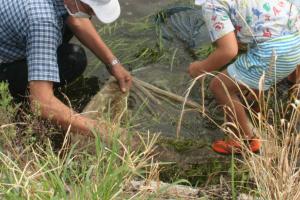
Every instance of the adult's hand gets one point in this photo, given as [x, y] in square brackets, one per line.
[43, 100]
[87, 34]
[123, 77]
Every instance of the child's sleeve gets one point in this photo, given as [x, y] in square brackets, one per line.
[217, 18]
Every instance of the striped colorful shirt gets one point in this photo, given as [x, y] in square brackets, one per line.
[32, 30]
[275, 58]
[254, 21]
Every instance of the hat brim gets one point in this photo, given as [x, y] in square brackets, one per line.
[107, 13]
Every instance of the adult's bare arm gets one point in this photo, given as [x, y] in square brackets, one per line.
[85, 31]
[43, 100]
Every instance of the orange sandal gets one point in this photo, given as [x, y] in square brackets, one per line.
[227, 146]
[230, 146]
[254, 144]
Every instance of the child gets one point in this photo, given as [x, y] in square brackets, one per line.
[270, 30]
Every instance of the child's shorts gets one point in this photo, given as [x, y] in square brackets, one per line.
[260, 59]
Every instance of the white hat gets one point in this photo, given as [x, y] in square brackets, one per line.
[106, 11]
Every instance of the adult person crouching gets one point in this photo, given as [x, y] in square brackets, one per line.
[35, 55]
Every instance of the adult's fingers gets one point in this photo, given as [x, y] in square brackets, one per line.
[122, 84]
[128, 82]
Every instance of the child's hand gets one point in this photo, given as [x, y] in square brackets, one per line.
[195, 69]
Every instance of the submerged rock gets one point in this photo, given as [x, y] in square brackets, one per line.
[184, 23]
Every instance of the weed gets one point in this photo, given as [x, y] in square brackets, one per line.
[275, 170]
[31, 169]
[6, 105]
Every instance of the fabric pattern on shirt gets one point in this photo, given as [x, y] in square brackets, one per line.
[248, 68]
[253, 21]
[32, 30]
[296, 3]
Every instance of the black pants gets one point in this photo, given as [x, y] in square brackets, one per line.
[72, 62]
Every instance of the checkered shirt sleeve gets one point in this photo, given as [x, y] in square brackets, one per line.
[32, 30]
[42, 41]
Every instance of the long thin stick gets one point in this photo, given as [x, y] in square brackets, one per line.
[147, 93]
[170, 95]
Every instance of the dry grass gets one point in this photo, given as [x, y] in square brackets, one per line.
[31, 169]
[275, 170]
[39, 173]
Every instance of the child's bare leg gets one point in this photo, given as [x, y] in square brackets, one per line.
[252, 99]
[295, 76]
[251, 96]
[226, 92]
[295, 79]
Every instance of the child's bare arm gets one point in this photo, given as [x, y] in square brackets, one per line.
[227, 49]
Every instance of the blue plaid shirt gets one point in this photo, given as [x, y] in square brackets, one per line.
[32, 30]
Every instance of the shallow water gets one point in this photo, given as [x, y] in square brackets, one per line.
[135, 9]
[138, 46]
[161, 58]
[193, 157]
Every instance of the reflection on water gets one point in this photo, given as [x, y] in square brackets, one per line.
[135, 9]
